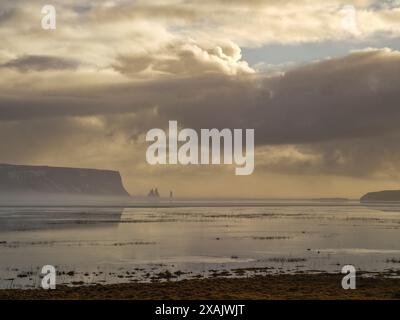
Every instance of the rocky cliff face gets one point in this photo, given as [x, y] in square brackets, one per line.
[33, 180]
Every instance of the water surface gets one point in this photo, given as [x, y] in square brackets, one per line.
[109, 245]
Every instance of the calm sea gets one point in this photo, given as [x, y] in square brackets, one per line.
[107, 245]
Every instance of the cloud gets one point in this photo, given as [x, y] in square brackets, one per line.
[350, 97]
[40, 63]
[254, 23]
[361, 158]
[186, 58]
[88, 91]
[98, 32]
[6, 14]
[330, 114]
[342, 98]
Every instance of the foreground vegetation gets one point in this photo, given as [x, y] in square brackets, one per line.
[299, 286]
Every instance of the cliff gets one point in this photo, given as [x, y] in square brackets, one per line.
[387, 195]
[28, 181]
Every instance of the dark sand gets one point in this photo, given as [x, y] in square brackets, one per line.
[300, 286]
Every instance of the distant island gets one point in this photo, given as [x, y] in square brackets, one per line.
[381, 196]
[33, 183]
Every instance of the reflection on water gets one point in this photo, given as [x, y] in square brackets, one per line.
[36, 218]
[107, 245]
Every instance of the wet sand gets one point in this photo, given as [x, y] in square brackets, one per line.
[275, 287]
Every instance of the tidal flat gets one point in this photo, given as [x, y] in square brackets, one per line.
[188, 245]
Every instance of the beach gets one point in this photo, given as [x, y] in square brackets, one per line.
[278, 287]
[292, 249]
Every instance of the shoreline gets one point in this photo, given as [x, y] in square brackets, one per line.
[324, 286]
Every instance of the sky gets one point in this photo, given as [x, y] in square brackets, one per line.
[318, 81]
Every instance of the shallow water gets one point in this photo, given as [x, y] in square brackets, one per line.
[109, 245]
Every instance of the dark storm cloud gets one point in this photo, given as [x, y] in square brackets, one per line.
[343, 98]
[34, 107]
[6, 14]
[40, 63]
[351, 97]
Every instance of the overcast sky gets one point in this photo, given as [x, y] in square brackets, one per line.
[317, 80]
